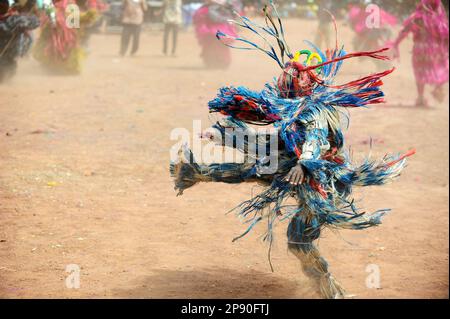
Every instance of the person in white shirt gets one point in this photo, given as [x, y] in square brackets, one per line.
[172, 19]
[132, 19]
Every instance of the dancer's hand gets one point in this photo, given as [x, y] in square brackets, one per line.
[395, 52]
[295, 175]
[393, 46]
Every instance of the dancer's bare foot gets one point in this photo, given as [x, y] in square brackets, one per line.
[331, 288]
[184, 170]
[438, 94]
[421, 102]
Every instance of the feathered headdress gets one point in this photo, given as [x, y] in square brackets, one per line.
[320, 67]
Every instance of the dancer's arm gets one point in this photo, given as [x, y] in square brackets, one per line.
[315, 139]
[407, 28]
[243, 105]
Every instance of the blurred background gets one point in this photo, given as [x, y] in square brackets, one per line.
[307, 9]
[87, 108]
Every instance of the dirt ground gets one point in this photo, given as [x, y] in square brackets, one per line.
[84, 180]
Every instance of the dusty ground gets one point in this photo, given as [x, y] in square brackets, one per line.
[84, 180]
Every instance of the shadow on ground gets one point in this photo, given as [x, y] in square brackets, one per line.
[213, 283]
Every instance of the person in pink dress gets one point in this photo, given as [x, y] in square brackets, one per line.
[429, 26]
[213, 16]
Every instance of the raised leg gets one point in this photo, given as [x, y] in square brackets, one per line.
[188, 173]
[303, 229]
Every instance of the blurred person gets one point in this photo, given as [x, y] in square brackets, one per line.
[324, 19]
[16, 24]
[188, 12]
[313, 167]
[58, 46]
[95, 7]
[132, 19]
[208, 19]
[369, 38]
[172, 19]
[249, 8]
[430, 56]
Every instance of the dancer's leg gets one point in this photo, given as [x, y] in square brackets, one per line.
[136, 38]
[438, 92]
[165, 37]
[421, 101]
[188, 174]
[175, 38]
[125, 39]
[302, 231]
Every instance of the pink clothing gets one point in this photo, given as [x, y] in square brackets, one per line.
[369, 39]
[98, 5]
[357, 16]
[205, 26]
[214, 53]
[429, 26]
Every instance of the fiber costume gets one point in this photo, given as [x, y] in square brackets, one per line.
[58, 47]
[208, 19]
[15, 36]
[430, 57]
[304, 106]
